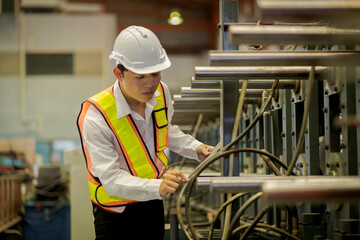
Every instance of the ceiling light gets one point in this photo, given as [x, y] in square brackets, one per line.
[175, 18]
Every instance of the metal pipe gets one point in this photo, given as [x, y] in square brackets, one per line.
[332, 11]
[187, 92]
[202, 104]
[277, 34]
[195, 112]
[252, 84]
[188, 116]
[210, 84]
[294, 58]
[319, 189]
[281, 189]
[235, 73]
[244, 182]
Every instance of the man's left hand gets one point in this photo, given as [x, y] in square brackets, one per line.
[203, 151]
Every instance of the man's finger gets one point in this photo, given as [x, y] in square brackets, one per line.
[182, 175]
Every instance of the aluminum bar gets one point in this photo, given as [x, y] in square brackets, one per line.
[278, 34]
[252, 84]
[235, 73]
[296, 58]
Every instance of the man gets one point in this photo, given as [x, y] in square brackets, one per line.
[124, 131]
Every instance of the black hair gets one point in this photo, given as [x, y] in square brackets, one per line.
[122, 69]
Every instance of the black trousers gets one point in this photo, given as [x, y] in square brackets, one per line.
[141, 220]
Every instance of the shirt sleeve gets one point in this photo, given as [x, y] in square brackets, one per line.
[100, 142]
[179, 142]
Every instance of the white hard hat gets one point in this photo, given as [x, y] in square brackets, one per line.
[139, 50]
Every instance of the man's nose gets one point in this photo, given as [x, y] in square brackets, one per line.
[149, 81]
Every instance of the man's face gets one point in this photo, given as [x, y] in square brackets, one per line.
[139, 88]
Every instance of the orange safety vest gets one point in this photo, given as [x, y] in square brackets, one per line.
[134, 149]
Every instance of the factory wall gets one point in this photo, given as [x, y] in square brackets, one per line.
[43, 105]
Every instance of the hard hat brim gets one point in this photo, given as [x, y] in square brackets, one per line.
[143, 70]
[157, 68]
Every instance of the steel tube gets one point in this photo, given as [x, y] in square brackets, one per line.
[278, 34]
[281, 189]
[188, 116]
[244, 182]
[236, 73]
[252, 84]
[333, 11]
[320, 189]
[296, 58]
[202, 104]
[198, 100]
[187, 92]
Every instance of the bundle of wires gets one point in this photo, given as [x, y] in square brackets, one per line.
[228, 150]
[220, 154]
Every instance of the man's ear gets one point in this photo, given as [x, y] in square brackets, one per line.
[117, 73]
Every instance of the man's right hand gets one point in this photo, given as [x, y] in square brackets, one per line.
[172, 182]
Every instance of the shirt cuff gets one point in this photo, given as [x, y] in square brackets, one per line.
[155, 188]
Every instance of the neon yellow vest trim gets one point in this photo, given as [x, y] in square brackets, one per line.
[134, 149]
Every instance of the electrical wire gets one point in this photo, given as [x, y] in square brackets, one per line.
[253, 224]
[231, 157]
[223, 152]
[221, 209]
[189, 185]
[267, 226]
[271, 165]
[301, 138]
[257, 117]
[238, 214]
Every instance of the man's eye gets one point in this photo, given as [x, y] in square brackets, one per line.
[139, 77]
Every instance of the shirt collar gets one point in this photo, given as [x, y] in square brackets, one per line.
[123, 108]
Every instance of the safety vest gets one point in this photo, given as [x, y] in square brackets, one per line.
[133, 147]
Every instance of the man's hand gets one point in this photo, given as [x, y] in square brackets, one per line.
[172, 182]
[203, 151]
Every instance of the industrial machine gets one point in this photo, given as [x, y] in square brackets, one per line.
[280, 100]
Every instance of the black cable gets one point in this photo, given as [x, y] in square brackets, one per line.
[189, 185]
[215, 157]
[221, 209]
[300, 141]
[238, 214]
[267, 226]
[253, 224]
[257, 117]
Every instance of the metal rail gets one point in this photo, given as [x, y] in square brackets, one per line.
[340, 12]
[235, 73]
[294, 58]
[187, 92]
[281, 189]
[252, 84]
[271, 34]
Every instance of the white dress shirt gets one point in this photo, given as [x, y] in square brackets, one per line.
[107, 158]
